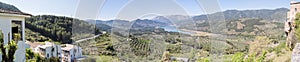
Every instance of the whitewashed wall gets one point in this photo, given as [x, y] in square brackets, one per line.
[5, 26]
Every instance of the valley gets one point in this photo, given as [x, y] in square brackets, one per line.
[167, 38]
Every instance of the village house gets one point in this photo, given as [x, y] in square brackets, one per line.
[13, 22]
[71, 52]
[291, 16]
[49, 50]
[65, 52]
[290, 24]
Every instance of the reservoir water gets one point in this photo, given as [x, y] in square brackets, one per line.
[174, 29]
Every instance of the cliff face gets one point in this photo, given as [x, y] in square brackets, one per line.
[291, 38]
[295, 53]
[291, 30]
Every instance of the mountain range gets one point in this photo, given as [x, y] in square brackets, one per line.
[181, 21]
[47, 23]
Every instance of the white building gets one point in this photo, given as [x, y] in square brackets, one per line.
[49, 50]
[71, 52]
[65, 52]
[7, 20]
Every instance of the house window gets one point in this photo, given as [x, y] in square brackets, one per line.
[47, 55]
[295, 9]
[16, 29]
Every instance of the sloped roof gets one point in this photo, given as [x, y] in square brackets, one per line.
[33, 44]
[68, 47]
[295, 3]
[14, 12]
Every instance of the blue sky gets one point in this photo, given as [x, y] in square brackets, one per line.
[130, 9]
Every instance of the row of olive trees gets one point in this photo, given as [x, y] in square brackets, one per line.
[8, 50]
[140, 47]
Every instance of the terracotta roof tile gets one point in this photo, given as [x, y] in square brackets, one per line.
[33, 44]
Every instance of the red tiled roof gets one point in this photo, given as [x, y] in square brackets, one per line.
[14, 12]
[33, 44]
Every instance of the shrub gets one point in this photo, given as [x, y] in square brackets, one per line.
[8, 50]
[203, 60]
[238, 57]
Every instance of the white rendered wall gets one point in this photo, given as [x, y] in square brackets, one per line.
[5, 26]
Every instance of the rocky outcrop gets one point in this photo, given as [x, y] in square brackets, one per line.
[240, 25]
[291, 38]
[296, 53]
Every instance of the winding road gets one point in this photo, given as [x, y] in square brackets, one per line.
[81, 40]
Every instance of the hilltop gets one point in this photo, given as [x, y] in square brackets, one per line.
[9, 7]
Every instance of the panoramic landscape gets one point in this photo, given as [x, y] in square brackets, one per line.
[149, 31]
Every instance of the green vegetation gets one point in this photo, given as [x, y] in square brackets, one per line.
[258, 50]
[203, 60]
[102, 58]
[236, 47]
[58, 28]
[102, 45]
[238, 57]
[35, 36]
[35, 57]
[32, 57]
[8, 50]
[297, 26]
[278, 49]
[252, 36]
[140, 47]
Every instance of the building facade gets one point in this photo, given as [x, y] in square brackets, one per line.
[71, 52]
[291, 15]
[11, 23]
[49, 50]
[65, 52]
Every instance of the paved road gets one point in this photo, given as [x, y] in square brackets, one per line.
[78, 41]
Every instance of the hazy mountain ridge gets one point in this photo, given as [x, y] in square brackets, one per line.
[278, 14]
[199, 22]
[139, 23]
[9, 7]
[272, 15]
